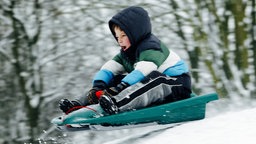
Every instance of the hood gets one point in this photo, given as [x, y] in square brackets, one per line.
[134, 21]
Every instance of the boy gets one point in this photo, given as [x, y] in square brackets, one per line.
[154, 73]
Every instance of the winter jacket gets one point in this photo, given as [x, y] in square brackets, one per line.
[146, 54]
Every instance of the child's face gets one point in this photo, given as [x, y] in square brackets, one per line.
[122, 39]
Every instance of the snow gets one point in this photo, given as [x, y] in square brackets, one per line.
[230, 128]
[34, 102]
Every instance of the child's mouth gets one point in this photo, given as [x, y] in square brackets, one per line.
[124, 48]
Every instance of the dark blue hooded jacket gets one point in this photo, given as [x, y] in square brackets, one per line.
[146, 54]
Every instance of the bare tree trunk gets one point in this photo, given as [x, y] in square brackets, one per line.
[253, 42]
[23, 62]
[241, 52]
[223, 35]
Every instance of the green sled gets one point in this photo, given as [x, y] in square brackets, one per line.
[180, 111]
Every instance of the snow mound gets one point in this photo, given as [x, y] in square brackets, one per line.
[228, 128]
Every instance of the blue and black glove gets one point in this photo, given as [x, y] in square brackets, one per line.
[113, 91]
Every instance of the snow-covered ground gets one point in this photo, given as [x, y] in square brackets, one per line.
[224, 124]
[230, 128]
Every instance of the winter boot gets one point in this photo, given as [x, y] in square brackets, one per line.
[68, 106]
[108, 104]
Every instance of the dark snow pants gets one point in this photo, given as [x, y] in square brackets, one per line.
[155, 89]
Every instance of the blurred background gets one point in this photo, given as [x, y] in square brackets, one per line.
[50, 49]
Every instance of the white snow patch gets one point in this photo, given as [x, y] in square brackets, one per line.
[35, 101]
[230, 128]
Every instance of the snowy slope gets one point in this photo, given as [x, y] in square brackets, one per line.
[229, 128]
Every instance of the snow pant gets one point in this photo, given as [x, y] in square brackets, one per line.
[155, 89]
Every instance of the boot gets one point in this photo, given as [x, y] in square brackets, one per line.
[108, 104]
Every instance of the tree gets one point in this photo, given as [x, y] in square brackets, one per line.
[219, 43]
[253, 39]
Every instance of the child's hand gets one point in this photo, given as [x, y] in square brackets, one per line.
[113, 91]
[92, 97]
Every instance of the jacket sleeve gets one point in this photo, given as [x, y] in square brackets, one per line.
[108, 71]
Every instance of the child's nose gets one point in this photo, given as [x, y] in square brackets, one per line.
[120, 41]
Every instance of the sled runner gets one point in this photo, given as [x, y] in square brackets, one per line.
[94, 118]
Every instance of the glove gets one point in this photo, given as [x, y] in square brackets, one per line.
[68, 106]
[95, 93]
[116, 90]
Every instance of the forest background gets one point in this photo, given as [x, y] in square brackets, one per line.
[51, 49]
